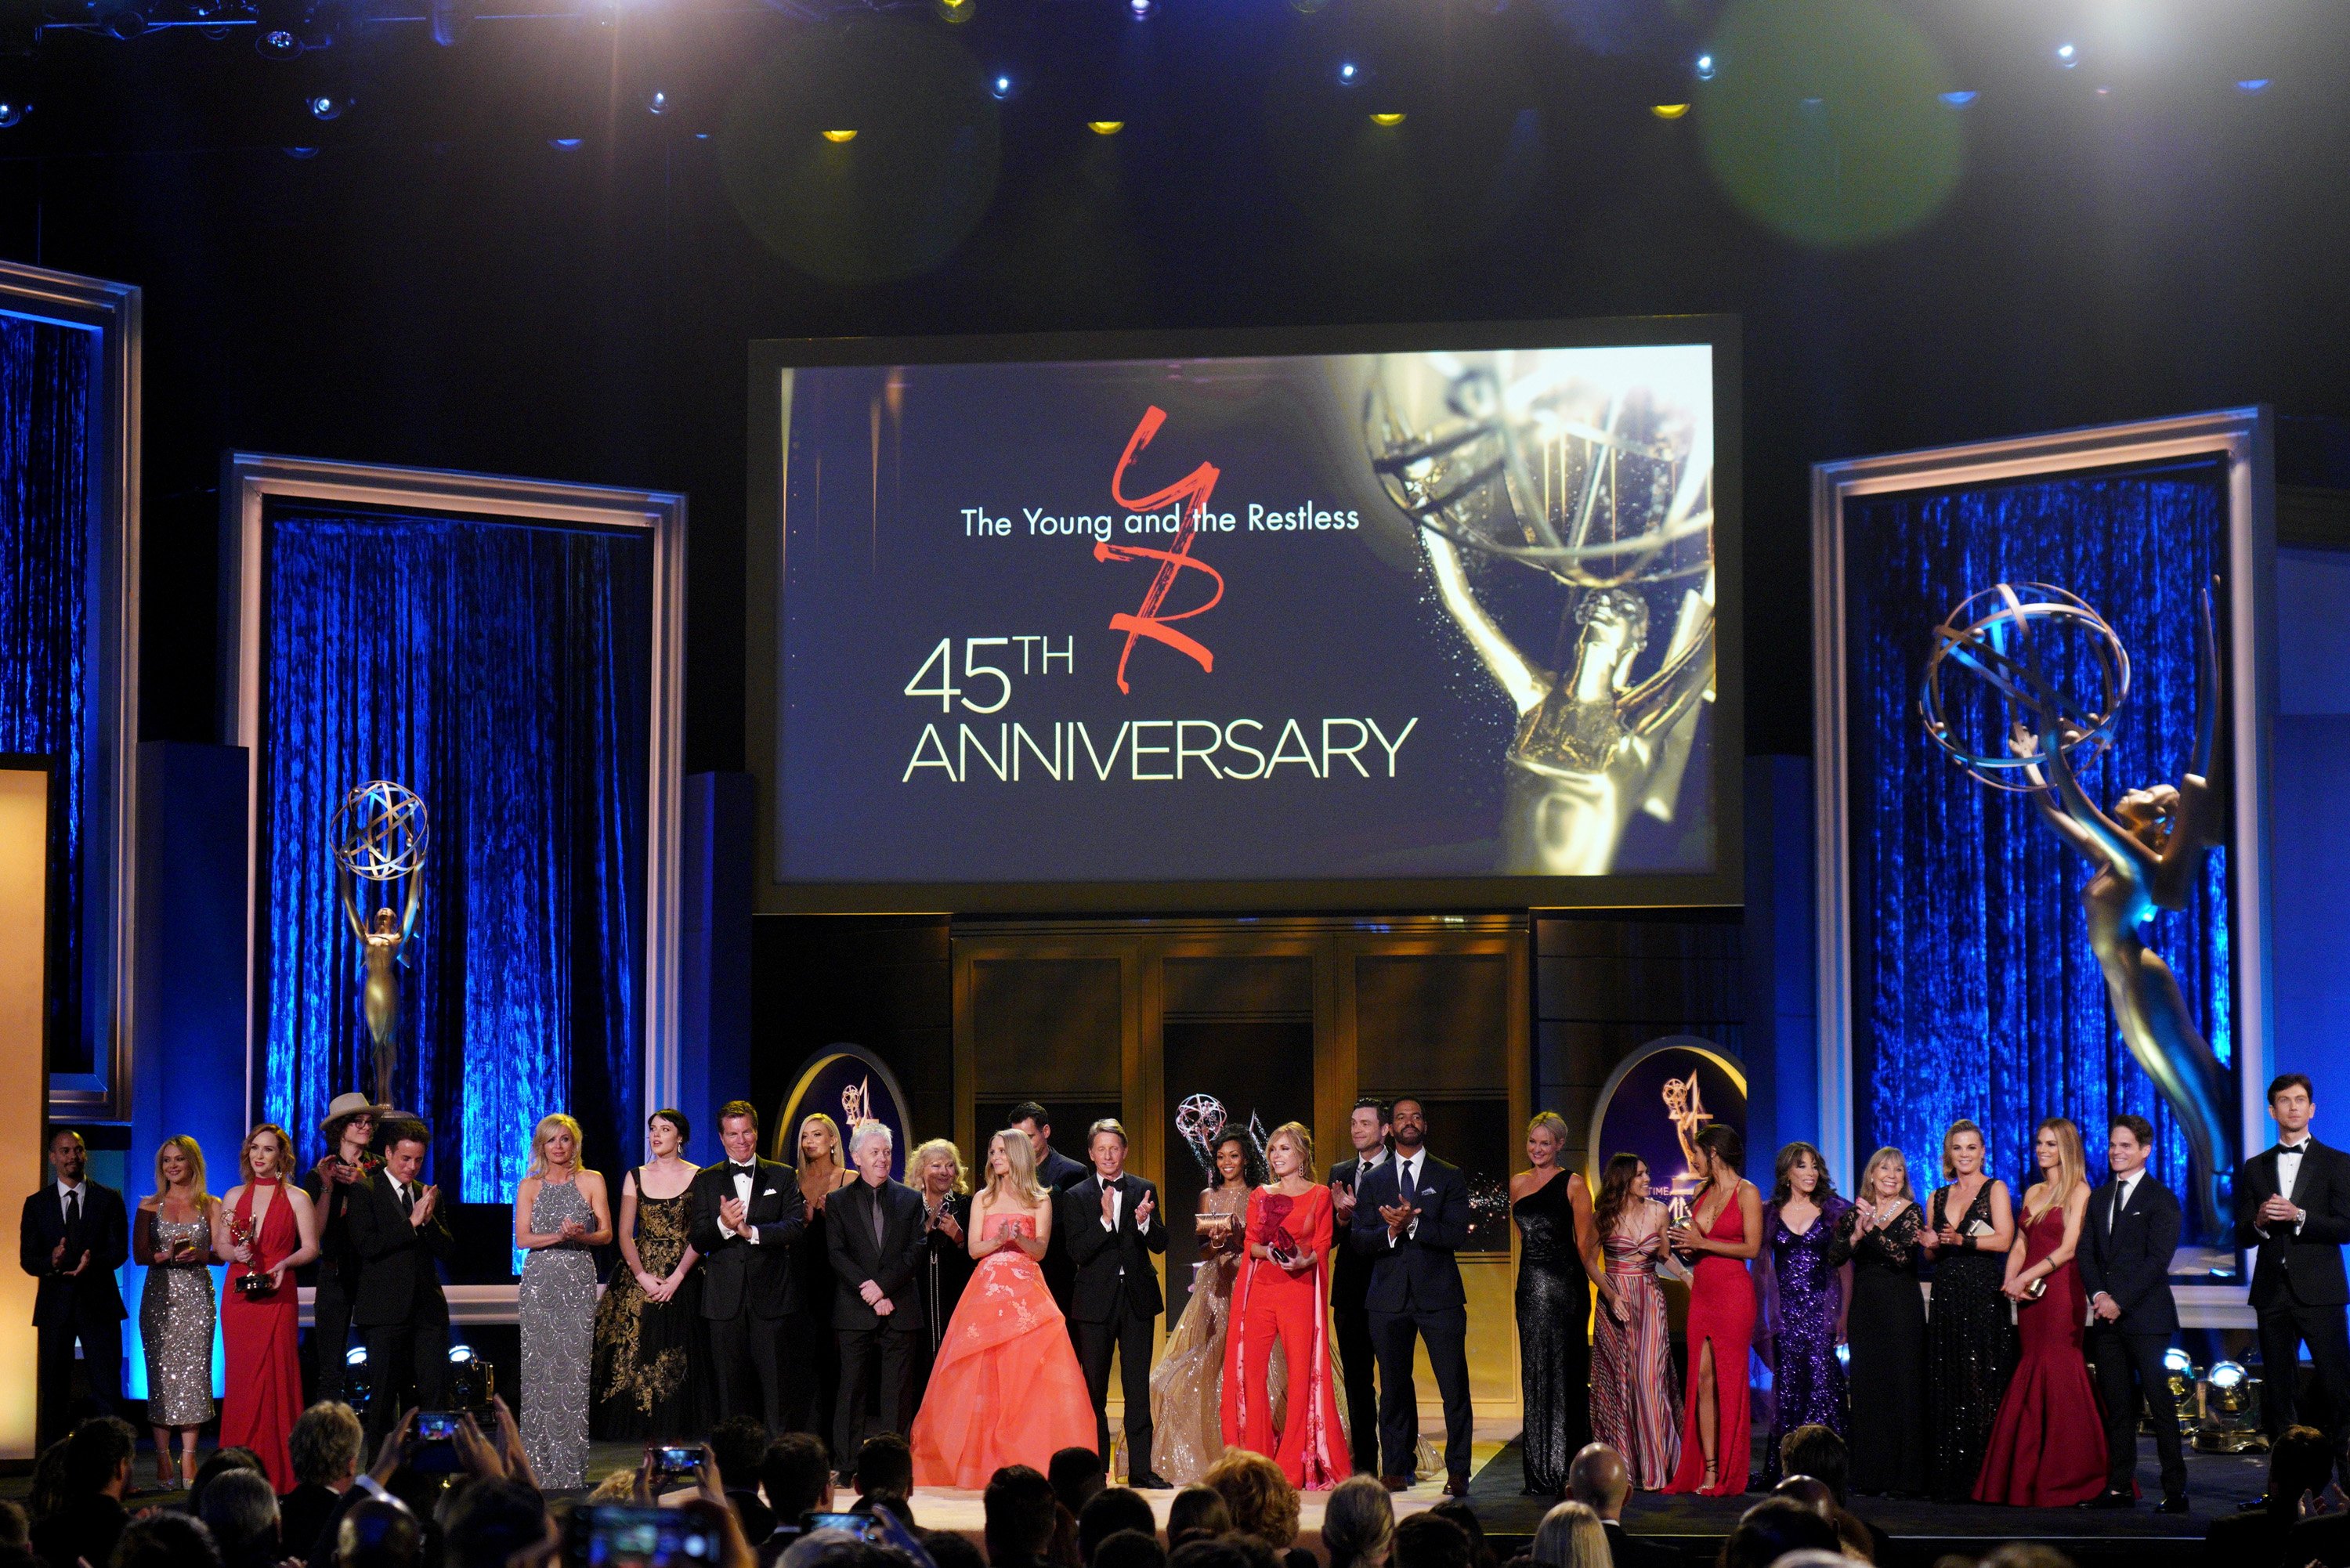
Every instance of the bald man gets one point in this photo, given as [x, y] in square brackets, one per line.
[1600, 1480]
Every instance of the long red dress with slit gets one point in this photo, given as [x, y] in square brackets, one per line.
[2048, 1448]
[262, 1388]
[1005, 1388]
[1720, 1313]
[1272, 1305]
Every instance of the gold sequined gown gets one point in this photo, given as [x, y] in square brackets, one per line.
[1187, 1385]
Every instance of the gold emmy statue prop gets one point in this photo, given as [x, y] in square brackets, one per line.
[2149, 852]
[378, 835]
[1602, 493]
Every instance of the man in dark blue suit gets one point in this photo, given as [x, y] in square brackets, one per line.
[1410, 1217]
[74, 1235]
[1055, 1173]
[2130, 1231]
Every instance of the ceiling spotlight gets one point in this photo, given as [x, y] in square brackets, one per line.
[1705, 67]
[657, 102]
[564, 143]
[2067, 57]
[13, 112]
[1387, 120]
[1001, 87]
[837, 137]
[325, 105]
[277, 28]
[1105, 127]
[2252, 84]
[302, 153]
[126, 24]
[1959, 99]
[1349, 74]
[1669, 110]
[1140, 8]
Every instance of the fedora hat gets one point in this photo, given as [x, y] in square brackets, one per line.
[344, 1107]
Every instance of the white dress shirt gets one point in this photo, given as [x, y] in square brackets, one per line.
[2288, 1173]
[1117, 1208]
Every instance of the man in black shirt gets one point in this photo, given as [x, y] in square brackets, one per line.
[85, 1528]
[342, 1170]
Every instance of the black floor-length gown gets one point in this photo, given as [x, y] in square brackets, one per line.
[1553, 1336]
[811, 1359]
[1886, 1328]
[1970, 1354]
[652, 1370]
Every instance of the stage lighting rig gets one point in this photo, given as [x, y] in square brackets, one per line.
[13, 111]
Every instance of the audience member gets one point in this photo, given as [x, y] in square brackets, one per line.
[1811, 1557]
[885, 1463]
[241, 1512]
[15, 1525]
[737, 1444]
[1107, 1512]
[1358, 1523]
[950, 1549]
[220, 1462]
[490, 1518]
[1425, 1540]
[323, 1448]
[378, 1532]
[1019, 1509]
[1197, 1513]
[1600, 1480]
[1262, 1501]
[1458, 1511]
[2027, 1555]
[89, 1519]
[1211, 1551]
[2299, 1464]
[1075, 1474]
[1062, 1552]
[1125, 1549]
[160, 1539]
[1817, 1452]
[1772, 1529]
[796, 1475]
[1571, 1536]
[48, 1489]
[1853, 1534]
[1811, 1492]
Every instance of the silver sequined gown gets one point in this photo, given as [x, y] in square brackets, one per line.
[175, 1324]
[558, 1333]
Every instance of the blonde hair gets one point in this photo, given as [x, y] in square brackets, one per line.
[1019, 1181]
[2071, 1165]
[284, 1150]
[920, 1160]
[1554, 1122]
[195, 1155]
[1571, 1536]
[793, 1156]
[1301, 1140]
[1886, 1156]
[548, 1125]
[1950, 1136]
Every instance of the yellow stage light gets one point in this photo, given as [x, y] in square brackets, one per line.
[1105, 127]
[840, 136]
[1386, 120]
[1669, 110]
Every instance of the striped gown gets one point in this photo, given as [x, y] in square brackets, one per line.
[1635, 1397]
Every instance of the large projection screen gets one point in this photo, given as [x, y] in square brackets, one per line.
[1392, 617]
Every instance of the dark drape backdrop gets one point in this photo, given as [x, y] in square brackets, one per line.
[502, 672]
[1974, 990]
[47, 373]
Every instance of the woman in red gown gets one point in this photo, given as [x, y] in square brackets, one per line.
[1725, 1229]
[2048, 1447]
[265, 1224]
[1283, 1296]
[1005, 1388]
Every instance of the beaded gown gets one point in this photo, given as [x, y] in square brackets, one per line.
[2048, 1448]
[1186, 1386]
[1802, 1306]
[557, 1306]
[175, 1320]
[1887, 1330]
[1720, 1314]
[1553, 1303]
[1636, 1394]
[1969, 1352]
[651, 1375]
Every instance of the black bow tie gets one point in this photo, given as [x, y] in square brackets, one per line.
[2291, 1147]
[745, 1170]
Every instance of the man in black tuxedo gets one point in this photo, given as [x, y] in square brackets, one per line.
[2131, 1229]
[877, 1237]
[401, 1236]
[1350, 1278]
[1111, 1220]
[74, 1235]
[2293, 1212]
[1410, 1217]
[1056, 1172]
[746, 1214]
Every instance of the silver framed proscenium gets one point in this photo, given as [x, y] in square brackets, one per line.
[251, 480]
[110, 314]
[2238, 438]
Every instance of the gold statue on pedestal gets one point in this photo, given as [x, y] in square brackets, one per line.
[379, 838]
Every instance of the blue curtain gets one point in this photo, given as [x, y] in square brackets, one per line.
[501, 671]
[47, 384]
[1974, 990]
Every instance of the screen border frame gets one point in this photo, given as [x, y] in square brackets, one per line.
[763, 619]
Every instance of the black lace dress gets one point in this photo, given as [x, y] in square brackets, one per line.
[652, 1374]
[1554, 1337]
[1969, 1352]
[1885, 1329]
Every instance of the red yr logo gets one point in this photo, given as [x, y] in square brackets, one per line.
[1193, 490]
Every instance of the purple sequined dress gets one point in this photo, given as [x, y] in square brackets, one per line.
[1802, 1301]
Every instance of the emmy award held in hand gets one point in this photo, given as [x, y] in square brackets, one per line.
[379, 833]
